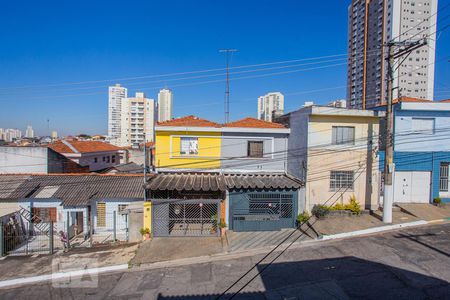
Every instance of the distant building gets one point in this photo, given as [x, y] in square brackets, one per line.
[341, 103]
[116, 95]
[165, 103]
[29, 133]
[373, 23]
[54, 135]
[10, 135]
[270, 104]
[93, 154]
[138, 120]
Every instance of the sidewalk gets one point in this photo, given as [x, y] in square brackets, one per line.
[12, 267]
[426, 212]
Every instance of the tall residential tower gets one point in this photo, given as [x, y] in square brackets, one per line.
[371, 24]
[165, 103]
[115, 98]
[269, 105]
[138, 120]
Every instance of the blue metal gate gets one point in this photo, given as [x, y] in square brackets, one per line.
[262, 211]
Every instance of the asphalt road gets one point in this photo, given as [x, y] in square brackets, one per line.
[412, 263]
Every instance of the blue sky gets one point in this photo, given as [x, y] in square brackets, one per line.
[47, 43]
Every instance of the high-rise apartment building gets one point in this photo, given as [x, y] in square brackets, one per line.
[29, 133]
[116, 94]
[371, 24]
[165, 103]
[269, 105]
[10, 135]
[138, 120]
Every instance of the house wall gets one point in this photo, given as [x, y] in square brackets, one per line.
[8, 207]
[320, 165]
[23, 160]
[297, 143]
[235, 145]
[111, 206]
[422, 161]
[359, 157]
[168, 150]
[88, 159]
[408, 141]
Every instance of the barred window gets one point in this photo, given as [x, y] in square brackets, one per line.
[343, 135]
[443, 177]
[341, 180]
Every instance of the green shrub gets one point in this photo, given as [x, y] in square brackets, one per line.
[338, 206]
[437, 200]
[222, 224]
[353, 206]
[320, 210]
[303, 217]
[144, 231]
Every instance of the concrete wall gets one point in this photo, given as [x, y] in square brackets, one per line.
[298, 143]
[23, 160]
[235, 145]
[111, 205]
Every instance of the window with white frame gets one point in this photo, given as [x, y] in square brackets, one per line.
[422, 125]
[189, 146]
[443, 177]
[343, 135]
[341, 180]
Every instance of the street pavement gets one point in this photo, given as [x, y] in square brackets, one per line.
[412, 263]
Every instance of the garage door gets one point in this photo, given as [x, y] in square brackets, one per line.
[185, 217]
[412, 187]
[262, 211]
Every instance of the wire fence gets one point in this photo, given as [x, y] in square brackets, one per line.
[20, 235]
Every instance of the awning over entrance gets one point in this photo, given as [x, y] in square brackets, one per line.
[187, 182]
[213, 182]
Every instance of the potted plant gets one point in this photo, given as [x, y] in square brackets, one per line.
[437, 201]
[145, 233]
[222, 226]
[214, 224]
[302, 218]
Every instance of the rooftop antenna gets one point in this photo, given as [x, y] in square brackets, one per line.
[228, 54]
[48, 127]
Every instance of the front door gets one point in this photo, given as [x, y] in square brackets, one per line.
[412, 187]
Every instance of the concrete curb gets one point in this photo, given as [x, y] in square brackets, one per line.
[372, 230]
[60, 275]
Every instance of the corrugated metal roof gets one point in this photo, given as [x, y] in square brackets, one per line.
[78, 190]
[9, 184]
[187, 182]
[217, 182]
[262, 181]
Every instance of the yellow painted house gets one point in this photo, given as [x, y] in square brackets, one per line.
[188, 143]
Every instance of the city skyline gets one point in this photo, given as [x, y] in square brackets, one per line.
[65, 77]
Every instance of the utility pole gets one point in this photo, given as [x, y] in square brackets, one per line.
[228, 53]
[407, 48]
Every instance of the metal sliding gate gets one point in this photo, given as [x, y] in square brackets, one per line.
[176, 217]
[263, 211]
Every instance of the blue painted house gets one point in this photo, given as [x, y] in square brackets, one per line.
[421, 150]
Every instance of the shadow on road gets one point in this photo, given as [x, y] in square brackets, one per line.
[337, 278]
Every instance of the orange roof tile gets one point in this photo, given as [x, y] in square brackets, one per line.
[83, 146]
[253, 123]
[189, 121]
[410, 99]
[445, 101]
